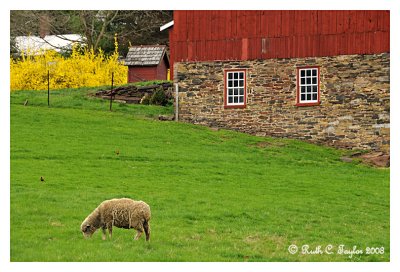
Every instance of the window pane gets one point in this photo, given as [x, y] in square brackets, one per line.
[308, 84]
[314, 96]
[235, 87]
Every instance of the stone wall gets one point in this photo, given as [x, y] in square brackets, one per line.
[354, 94]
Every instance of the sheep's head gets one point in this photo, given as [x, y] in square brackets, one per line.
[87, 229]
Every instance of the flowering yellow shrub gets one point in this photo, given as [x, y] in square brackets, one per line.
[84, 68]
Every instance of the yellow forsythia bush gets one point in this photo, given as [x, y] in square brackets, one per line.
[84, 68]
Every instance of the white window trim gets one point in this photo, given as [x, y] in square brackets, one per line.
[300, 101]
[243, 80]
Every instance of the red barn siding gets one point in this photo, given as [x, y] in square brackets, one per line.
[171, 51]
[162, 70]
[144, 73]
[246, 35]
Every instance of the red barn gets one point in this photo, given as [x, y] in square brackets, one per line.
[321, 76]
[147, 62]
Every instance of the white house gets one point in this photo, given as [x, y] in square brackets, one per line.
[36, 45]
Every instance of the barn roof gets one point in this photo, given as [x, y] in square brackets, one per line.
[145, 55]
[167, 25]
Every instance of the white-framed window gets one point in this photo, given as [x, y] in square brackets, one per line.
[235, 88]
[308, 85]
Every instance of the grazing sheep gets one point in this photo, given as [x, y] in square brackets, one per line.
[122, 213]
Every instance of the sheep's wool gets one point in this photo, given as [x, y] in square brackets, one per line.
[122, 213]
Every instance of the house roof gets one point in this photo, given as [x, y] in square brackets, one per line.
[58, 43]
[145, 55]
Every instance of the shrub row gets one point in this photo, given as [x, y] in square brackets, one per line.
[84, 68]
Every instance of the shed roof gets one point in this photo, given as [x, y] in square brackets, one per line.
[145, 55]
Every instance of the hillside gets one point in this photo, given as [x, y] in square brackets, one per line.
[214, 195]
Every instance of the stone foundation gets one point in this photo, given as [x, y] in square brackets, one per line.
[354, 93]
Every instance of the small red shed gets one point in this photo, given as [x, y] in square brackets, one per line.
[147, 62]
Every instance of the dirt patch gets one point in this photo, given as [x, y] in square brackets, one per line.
[269, 144]
[376, 159]
[56, 224]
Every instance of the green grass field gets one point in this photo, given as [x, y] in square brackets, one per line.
[214, 195]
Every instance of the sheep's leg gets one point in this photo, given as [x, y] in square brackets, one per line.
[110, 232]
[146, 226]
[109, 227]
[104, 232]
[139, 233]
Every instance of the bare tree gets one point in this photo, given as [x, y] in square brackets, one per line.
[97, 26]
[94, 25]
